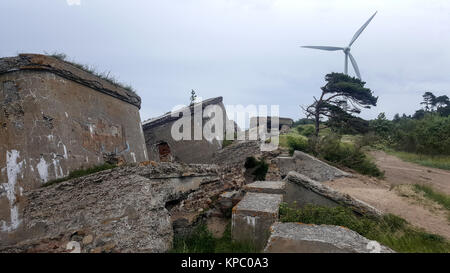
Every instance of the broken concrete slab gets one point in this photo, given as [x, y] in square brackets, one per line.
[125, 209]
[310, 166]
[275, 187]
[303, 238]
[253, 216]
[228, 200]
[302, 190]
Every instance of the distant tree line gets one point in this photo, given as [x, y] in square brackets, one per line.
[427, 131]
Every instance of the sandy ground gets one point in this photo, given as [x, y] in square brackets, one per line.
[388, 196]
[399, 172]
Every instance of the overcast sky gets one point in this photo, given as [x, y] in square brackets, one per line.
[244, 50]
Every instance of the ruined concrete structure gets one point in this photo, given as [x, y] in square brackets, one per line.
[162, 146]
[284, 124]
[56, 118]
[126, 209]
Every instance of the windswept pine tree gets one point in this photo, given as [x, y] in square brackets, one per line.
[341, 97]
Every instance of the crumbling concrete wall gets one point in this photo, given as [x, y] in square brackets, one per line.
[55, 118]
[162, 146]
[121, 210]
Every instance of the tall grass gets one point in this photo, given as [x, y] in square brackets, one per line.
[89, 69]
[438, 197]
[434, 161]
[201, 240]
[390, 230]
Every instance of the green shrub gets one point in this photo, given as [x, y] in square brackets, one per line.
[260, 168]
[389, 230]
[306, 130]
[297, 143]
[250, 162]
[348, 155]
[428, 135]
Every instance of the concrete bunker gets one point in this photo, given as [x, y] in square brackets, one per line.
[195, 149]
[284, 124]
[56, 118]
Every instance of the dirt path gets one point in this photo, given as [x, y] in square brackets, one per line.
[398, 172]
[389, 196]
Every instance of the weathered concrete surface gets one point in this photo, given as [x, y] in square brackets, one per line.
[253, 216]
[119, 210]
[302, 238]
[275, 187]
[236, 153]
[303, 191]
[309, 166]
[56, 118]
[162, 146]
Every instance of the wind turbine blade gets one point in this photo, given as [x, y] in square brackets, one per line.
[361, 30]
[329, 48]
[355, 65]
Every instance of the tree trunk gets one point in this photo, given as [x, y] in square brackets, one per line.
[317, 123]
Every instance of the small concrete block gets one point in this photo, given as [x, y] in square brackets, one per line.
[274, 187]
[253, 216]
[304, 238]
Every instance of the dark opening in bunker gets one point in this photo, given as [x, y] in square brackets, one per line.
[165, 154]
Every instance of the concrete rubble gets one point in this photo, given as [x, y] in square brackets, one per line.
[303, 238]
[126, 209]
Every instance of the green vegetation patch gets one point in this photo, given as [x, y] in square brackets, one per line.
[80, 173]
[331, 148]
[389, 230]
[438, 197]
[260, 168]
[433, 161]
[201, 240]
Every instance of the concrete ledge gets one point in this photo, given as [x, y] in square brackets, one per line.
[274, 187]
[67, 71]
[319, 194]
[253, 216]
[310, 166]
[302, 238]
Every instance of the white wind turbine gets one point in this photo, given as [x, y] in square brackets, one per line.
[347, 49]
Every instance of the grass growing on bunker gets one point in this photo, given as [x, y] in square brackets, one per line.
[390, 230]
[80, 173]
[104, 75]
[201, 240]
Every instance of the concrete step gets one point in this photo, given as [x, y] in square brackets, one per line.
[253, 216]
[273, 187]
